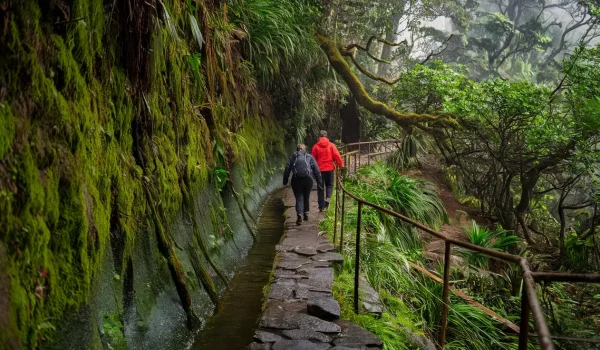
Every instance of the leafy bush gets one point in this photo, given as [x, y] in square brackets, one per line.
[405, 157]
[483, 237]
[414, 198]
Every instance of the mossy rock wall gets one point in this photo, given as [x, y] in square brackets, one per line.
[116, 124]
[152, 318]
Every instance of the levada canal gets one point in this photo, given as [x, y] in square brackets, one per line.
[233, 324]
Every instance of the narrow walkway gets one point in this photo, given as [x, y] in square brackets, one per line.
[301, 313]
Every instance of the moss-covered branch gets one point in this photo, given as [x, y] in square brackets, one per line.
[367, 49]
[369, 74]
[340, 65]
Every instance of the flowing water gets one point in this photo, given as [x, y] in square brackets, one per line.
[233, 325]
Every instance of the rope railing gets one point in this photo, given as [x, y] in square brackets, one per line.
[529, 300]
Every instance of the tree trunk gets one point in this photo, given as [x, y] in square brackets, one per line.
[350, 121]
[386, 53]
[563, 225]
[528, 182]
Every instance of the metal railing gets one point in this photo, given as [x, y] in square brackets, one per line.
[530, 303]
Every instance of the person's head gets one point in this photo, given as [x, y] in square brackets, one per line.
[323, 133]
[301, 147]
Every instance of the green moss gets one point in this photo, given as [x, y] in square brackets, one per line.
[391, 327]
[7, 129]
[69, 177]
[258, 138]
[113, 331]
[86, 34]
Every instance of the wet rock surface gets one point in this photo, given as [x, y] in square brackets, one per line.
[353, 336]
[266, 337]
[325, 308]
[369, 298]
[259, 346]
[299, 345]
[300, 313]
[305, 250]
[307, 334]
[329, 256]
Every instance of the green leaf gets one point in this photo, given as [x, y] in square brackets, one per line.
[196, 32]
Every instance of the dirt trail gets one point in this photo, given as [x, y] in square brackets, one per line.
[460, 216]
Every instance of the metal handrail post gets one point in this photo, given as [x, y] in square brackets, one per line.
[445, 297]
[357, 259]
[359, 155]
[342, 226]
[536, 309]
[337, 204]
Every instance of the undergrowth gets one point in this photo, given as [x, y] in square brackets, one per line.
[412, 301]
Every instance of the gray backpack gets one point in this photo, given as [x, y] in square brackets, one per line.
[301, 167]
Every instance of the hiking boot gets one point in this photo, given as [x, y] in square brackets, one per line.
[327, 200]
[299, 220]
[322, 210]
[305, 216]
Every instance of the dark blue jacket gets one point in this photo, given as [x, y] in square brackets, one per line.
[314, 168]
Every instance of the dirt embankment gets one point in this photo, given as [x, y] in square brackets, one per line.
[459, 215]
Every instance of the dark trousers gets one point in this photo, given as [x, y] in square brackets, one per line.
[327, 188]
[302, 187]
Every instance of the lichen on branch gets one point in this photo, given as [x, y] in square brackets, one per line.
[340, 65]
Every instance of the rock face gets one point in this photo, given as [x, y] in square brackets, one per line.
[301, 307]
[325, 308]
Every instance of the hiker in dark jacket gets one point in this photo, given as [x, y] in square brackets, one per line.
[303, 167]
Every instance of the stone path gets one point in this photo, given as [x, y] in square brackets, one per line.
[301, 313]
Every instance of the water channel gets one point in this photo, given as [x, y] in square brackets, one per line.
[233, 325]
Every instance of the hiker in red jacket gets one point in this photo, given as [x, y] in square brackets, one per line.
[325, 153]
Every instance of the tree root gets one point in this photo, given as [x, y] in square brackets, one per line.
[204, 277]
[246, 207]
[190, 207]
[241, 208]
[166, 249]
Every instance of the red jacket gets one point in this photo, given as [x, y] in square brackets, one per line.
[325, 153]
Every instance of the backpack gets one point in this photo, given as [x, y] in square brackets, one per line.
[301, 168]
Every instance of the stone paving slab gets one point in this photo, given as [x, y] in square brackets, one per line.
[300, 312]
